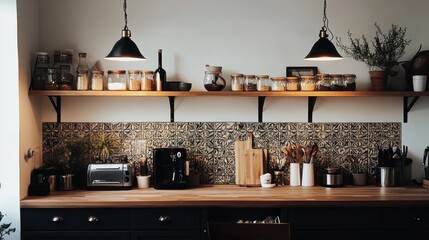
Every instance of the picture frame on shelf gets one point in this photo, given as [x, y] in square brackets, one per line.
[301, 71]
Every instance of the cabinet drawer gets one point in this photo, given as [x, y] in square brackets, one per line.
[74, 219]
[334, 218]
[406, 218]
[165, 218]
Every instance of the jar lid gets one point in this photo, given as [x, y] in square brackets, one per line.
[42, 53]
[323, 75]
[134, 71]
[349, 75]
[249, 76]
[82, 72]
[336, 75]
[308, 77]
[279, 78]
[148, 71]
[263, 76]
[236, 75]
[116, 72]
[97, 72]
[292, 78]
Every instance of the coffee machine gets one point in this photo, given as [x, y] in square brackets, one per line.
[170, 168]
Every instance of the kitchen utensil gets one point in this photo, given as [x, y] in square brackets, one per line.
[178, 86]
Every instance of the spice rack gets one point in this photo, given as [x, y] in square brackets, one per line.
[409, 98]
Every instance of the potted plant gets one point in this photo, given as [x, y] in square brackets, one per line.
[105, 146]
[5, 228]
[380, 54]
[143, 177]
[357, 172]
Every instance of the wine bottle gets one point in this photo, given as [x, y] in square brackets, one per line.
[160, 76]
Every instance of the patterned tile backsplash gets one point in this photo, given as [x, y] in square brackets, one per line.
[210, 145]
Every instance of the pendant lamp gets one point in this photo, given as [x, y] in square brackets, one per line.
[324, 49]
[125, 49]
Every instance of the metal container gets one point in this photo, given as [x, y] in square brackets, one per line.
[333, 179]
[387, 176]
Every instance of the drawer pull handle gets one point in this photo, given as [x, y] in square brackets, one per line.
[93, 219]
[419, 219]
[164, 218]
[57, 219]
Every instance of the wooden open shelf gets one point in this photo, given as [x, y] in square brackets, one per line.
[409, 97]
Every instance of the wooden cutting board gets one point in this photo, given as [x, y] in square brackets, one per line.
[249, 163]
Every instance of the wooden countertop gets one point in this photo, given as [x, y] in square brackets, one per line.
[233, 196]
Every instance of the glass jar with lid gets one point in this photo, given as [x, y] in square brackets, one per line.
[134, 80]
[147, 81]
[40, 72]
[97, 80]
[237, 83]
[51, 82]
[323, 82]
[308, 83]
[263, 83]
[337, 82]
[65, 77]
[249, 83]
[292, 83]
[350, 82]
[116, 80]
[278, 84]
[82, 80]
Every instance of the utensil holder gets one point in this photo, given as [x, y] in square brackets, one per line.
[295, 176]
[387, 176]
[308, 175]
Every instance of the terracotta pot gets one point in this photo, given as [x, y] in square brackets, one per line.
[378, 80]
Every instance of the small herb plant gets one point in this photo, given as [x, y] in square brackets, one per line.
[383, 52]
[5, 228]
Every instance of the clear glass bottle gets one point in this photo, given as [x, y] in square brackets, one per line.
[51, 82]
[40, 71]
[97, 80]
[292, 83]
[308, 83]
[116, 80]
[82, 80]
[134, 80]
[323, 82]
[147, 81]
[337, 82]
[249, 83]
[350, 82]
[263, 83]
[237, 83]
[278, 84]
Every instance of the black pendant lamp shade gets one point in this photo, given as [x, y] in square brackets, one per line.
[324, 49]
[125, 49]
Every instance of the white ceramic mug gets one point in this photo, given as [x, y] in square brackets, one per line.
[265, 179]
[143, 181]
[419, 83]
[308, 175]
[295, 175]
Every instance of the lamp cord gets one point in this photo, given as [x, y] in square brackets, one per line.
[326, 21]
[126, 16]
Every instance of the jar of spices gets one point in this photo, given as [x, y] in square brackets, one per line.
[97, 80]
[278, 84]
[323, 82]
[308, 83]
[116, 80]
[249, 83]
[40, 73]
[134, 80]
[51, 82]
[63, 62]
[337, 82]
[237, 83]
[350, 82]
[82, 80]
[147, 81]
[292, 83]
[263, 83]
[65, 77]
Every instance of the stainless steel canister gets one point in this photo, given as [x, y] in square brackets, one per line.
[387, 176]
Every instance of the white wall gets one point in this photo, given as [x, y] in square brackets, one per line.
[251, 37]
[9, 127]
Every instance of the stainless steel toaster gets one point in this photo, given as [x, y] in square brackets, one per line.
[110, 176]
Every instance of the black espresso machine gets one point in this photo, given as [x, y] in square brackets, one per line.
[170, 168]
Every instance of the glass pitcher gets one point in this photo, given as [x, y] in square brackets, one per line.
[213, 81]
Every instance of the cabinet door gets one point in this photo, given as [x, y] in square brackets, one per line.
[165, 235]
[342, 234]
[69, 235]
[409, 234]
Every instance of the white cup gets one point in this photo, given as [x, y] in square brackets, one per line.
[143, 181]
[265, 179]
[419, 83]
[308, 175]
[295, 175]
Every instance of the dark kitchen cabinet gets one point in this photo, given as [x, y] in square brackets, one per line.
[406, 223]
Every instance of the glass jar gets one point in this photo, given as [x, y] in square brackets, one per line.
[323, 82]
[65, 77]
[63, 62]
[249, 83]
[147, 81]
[40, 72]
[116, 80]
[134, 80]
[292, 83]
[308, 83]
[51, 82]
[350, 82]
[82, 80]
[278, 84]
[97, 80]
[337, 82]
[237, 83]
[263, 83]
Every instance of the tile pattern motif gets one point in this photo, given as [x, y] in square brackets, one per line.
[210, 145]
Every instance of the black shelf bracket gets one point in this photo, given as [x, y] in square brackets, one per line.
[261, 102]
[408, 106]
[311, 103]
[171, 100]
[56, 103]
